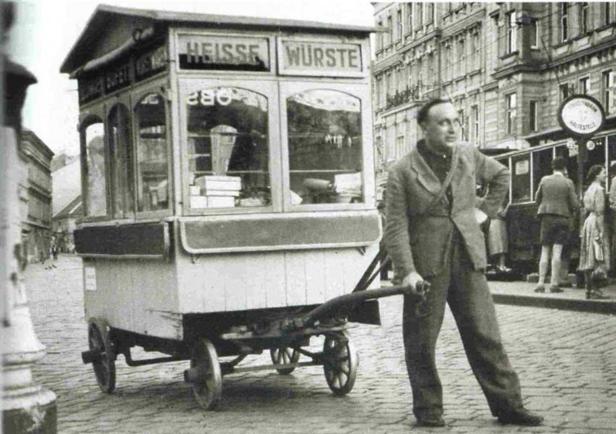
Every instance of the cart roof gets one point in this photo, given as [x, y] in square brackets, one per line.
[108, 17]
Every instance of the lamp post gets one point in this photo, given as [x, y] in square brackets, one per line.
[26, 406]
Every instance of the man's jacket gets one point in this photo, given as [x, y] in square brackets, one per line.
[417, 238]
[556, 195]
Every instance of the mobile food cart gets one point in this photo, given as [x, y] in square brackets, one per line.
[228, 191]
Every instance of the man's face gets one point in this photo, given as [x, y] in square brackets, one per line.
[441, 126]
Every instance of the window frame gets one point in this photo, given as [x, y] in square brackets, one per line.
[265, 86]
[138, 95]
[535, 23]
[564, 21]
[607, 91]
[584, 18]
[533, 112]
[94, 115]
[584, 85]
[122, 101]
[356, 90]
[512, 33]
[511, 112]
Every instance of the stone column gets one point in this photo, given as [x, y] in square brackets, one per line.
[26, 406]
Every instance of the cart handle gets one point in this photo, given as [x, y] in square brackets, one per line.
[336, 303]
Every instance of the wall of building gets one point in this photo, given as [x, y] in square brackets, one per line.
[477, 54]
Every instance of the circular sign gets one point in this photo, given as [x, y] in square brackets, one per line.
[581, 115]
[590, 145]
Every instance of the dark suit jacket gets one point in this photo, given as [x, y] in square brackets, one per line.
[556, 195]
[417, 238]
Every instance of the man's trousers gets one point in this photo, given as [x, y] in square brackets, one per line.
[466, 291]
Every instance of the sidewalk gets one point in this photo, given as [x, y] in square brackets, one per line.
[522, 294]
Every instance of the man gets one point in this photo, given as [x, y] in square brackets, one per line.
[557, 205]
[432, 235]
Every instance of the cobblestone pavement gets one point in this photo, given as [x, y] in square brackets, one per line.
[566, 361]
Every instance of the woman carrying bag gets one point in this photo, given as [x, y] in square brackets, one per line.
[594, 246]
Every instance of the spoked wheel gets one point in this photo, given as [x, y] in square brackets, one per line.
[104, 365]
[207, 384]
[284, 356]
[340, 361]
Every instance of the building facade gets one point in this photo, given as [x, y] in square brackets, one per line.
[35, 195]
[506, 67]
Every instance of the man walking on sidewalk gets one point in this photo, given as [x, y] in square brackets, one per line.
[557, 204]
[432, 235]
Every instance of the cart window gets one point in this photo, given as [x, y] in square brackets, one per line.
[120, 146]
[325, 147]
[93, 163]
[542, 166]
[228, 148]
[152, 161]
[520, 179]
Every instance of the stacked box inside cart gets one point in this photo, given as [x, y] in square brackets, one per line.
[211, 150]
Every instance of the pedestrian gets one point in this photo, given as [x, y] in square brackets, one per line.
[498, 244]
[594, 245]
[432, 236]
[557, 205]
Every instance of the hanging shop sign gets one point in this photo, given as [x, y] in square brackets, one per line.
[117, 78]
[151, 63]
[227, 53]
[297, 57]
[581, 115]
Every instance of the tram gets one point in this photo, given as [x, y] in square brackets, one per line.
[527, 167]
[228, 190]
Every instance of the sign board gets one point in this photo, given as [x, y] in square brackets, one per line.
[581, 115]
[221, 52]
[89, 278]
[338, 59]
[151, 62]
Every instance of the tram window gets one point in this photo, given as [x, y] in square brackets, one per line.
[118, 130]
[520, 179]
[542, 165]
[611, 153]
[93, 162]
[152, 161]
[325, 147]
[228, 148]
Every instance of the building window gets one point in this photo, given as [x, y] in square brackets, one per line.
[410, 18]
[563, 90]
[533, 116]
[461, 57]
[564, 21]
[379, 37]
[608, 80]
[512, 34]
[390, 31]
[584, 85]
[475, 125]
[607, 11]
[419, 16]
[584, 18]
[534, 33]
[463, 125]
[429, 13]
[476, 50]
[512, 105]
[399, 25]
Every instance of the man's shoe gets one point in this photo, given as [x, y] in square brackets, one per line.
[555, 288]
[520, 416]
[430, 421]
[540, 288]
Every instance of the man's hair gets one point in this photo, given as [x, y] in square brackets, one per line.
[422, 114]
[559, 163]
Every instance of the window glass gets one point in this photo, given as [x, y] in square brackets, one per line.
[93, 143]
[120, 146]
[520, 179]
[542, 166]
[228, 146]
[611, 149]
[152, 159]
[325, 147]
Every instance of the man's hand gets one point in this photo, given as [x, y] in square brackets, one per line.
[412, 280]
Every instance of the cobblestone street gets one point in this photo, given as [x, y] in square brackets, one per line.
[566, 361]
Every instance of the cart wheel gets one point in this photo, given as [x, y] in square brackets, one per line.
[104, 366]
[207, 390]
[340, 361]
[283, 356]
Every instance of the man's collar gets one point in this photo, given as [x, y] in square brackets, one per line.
[558, 172]
[423, 146]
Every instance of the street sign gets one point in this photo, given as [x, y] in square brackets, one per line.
[581, 115]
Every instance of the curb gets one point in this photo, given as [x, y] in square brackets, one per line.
[593, 306]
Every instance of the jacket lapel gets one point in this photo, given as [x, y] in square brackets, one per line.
[425, 175]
